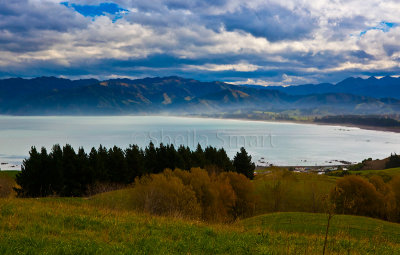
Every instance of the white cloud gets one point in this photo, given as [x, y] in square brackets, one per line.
[285, 80]
[48, 33]
[240, 67]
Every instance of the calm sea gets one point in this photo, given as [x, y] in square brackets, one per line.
[268, 142]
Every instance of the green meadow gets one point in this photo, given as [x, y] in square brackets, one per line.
[386, 174]
[109, 223]
[97, 226]
[9, 173]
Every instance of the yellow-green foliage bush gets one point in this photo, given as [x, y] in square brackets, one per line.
[206, 191]
[360, 196]
[243, 204]
[6, 186]
[356, 195]
[195, 194]
[386, 199]
[165, 194]
[282, 190]
[395, 185]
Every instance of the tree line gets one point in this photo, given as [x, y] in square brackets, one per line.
[367, 120]
[393, 161]
[66, 172]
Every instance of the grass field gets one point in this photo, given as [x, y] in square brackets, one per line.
[9, 173]
[107, 224]
[386, 174]
[315, 224]
[98, 226]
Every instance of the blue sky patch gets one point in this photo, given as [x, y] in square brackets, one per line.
[109, 9]
[383, 26]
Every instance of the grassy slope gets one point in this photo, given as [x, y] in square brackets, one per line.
[80, 226]
[310, 223]
[9, 173]
[386, 174]
[106, 224]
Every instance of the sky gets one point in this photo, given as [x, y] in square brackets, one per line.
[263, 42]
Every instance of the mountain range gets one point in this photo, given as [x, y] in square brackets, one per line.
[386, 87]
[176, 95]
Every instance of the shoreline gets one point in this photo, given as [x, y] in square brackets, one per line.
[365, 127]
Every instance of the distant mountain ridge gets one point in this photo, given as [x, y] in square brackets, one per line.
[176, 95]
[386, 87]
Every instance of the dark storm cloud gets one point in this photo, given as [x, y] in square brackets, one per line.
[391, 49]
[272, 22]
[25, 16]
[360, 54]
[30, 26]
[222, 39]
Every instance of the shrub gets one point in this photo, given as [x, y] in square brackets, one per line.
[338, 173]
[244, 202]
[6, 186]
[395, 186]
[206, 193]
[282, 190]
[195, 194]
[387, 196]
[165, 194]
[226, 199]
[356, 195]
[274, 190]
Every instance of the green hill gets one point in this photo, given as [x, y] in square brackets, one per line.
[9, 173]
[386, 174]
[89, 226]
[315, 224]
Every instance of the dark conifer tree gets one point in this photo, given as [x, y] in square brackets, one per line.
[198, 157]
[71, 174]
[66, 173]
[135, 162]
[45, 174]
[92, 161]
[210, 156]
[217, 157]
[57, 171]
[162, 158]
[243, 165]
[185, 155]
[101, 169]
[85, 171]
[29, 177]
[150, 155]
[174, 159]
[116, 165]
[223, 161]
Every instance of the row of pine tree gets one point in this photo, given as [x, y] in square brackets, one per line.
[65, 172]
